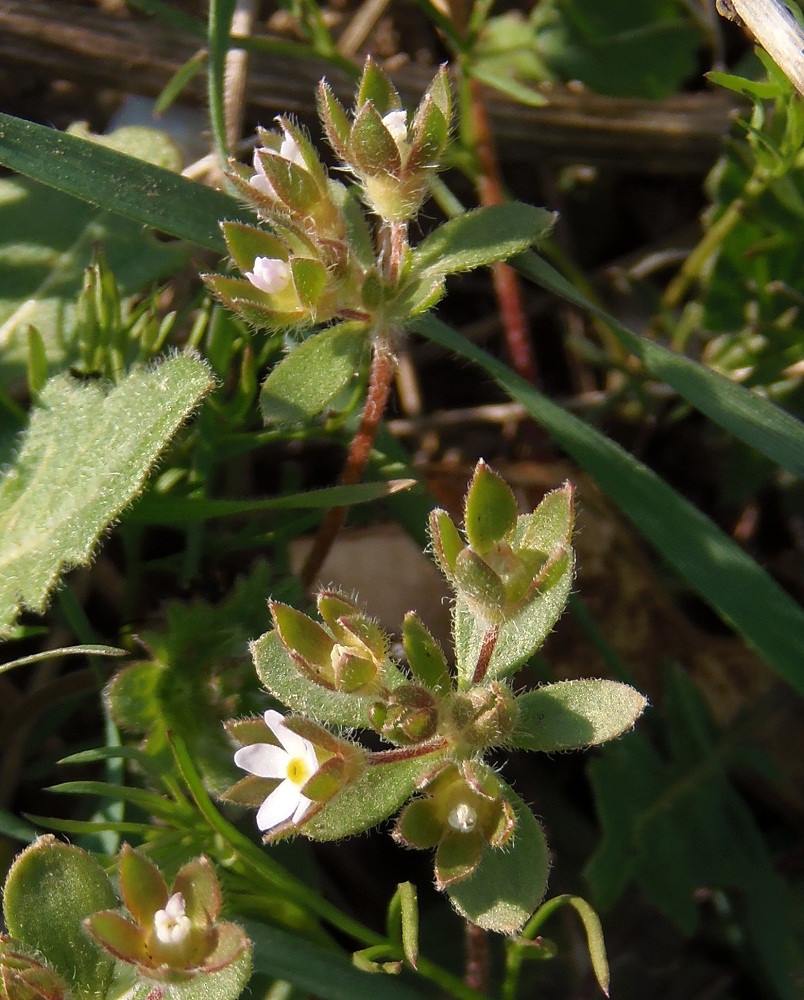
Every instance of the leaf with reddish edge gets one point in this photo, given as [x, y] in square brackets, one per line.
[197, 882]
[141, 885]
[119, 936]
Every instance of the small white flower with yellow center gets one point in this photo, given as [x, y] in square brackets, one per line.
[294, 763]
[172, 925]
[269, 275]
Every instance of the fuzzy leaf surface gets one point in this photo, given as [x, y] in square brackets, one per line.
[50, 888]
[85, 456]
[314, 374]
[279, 674]
[574, 714]
[480, 237]
[377, 794]
[509, 883]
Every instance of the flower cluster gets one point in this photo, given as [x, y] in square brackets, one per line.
[511, 575]
[314, 260]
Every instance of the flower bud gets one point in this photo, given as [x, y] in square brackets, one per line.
[481, 717]
[408, 716]
[24, 977]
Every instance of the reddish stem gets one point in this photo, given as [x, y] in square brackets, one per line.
[477, 958]
[506, 284]
[379, 387]
[407, 753]
[486, 650]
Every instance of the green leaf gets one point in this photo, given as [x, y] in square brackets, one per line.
[50, 888]
[481, 237]
[619, 48]
[735, 586]
[322, 972]
[122, 184]
[489, 510]
[314, 374]
[403, 921]
[574, 714]
[377, 794]
[510, 882]
[84, 457]
[51, 654]
[156, 508]
[279, 674]
[591, 924]
[748, 416]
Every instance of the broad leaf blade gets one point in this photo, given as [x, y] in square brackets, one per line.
[377, 794]
[281, 677]
[311, 377]
[84, 457]
[510, 881]
[122, 184]
[481, 237]
[729, 580]
[570, 715]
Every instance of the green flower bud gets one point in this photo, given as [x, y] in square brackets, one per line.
[408, 716]
[481, 717]
[24, 976]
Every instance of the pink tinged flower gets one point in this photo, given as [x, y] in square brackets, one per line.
[269, 275]
[288, 150]
[293, 764]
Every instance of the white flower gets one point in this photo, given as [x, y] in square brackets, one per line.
[172, 925]
[269, 274]
[294, 762]
[288, 150]
[463, 818]
[397, 124]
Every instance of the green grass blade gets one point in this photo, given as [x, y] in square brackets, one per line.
[218, 31]
[119, 183]
[747, 416]
[712, 564]
[154, 509]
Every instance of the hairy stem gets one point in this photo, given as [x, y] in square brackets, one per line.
[380, 379]
[486, 651]
[407, 753]
[477, 958]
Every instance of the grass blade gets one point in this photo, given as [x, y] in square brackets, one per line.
[119, 183]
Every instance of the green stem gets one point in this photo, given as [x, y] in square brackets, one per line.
[696, 265]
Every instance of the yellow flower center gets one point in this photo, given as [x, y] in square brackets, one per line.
[297, 771]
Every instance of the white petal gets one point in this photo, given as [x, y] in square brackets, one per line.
[397, 124]
[263, 759]
[279, 806]
[289, 150]
[263, 185]
[269, 274]
[295, 745]
[301, 808]
[175, 906]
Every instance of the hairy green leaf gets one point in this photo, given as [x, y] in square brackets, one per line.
[50, 888]
[481, 237]
[574, 714]
[83, 459]
[305, 382]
